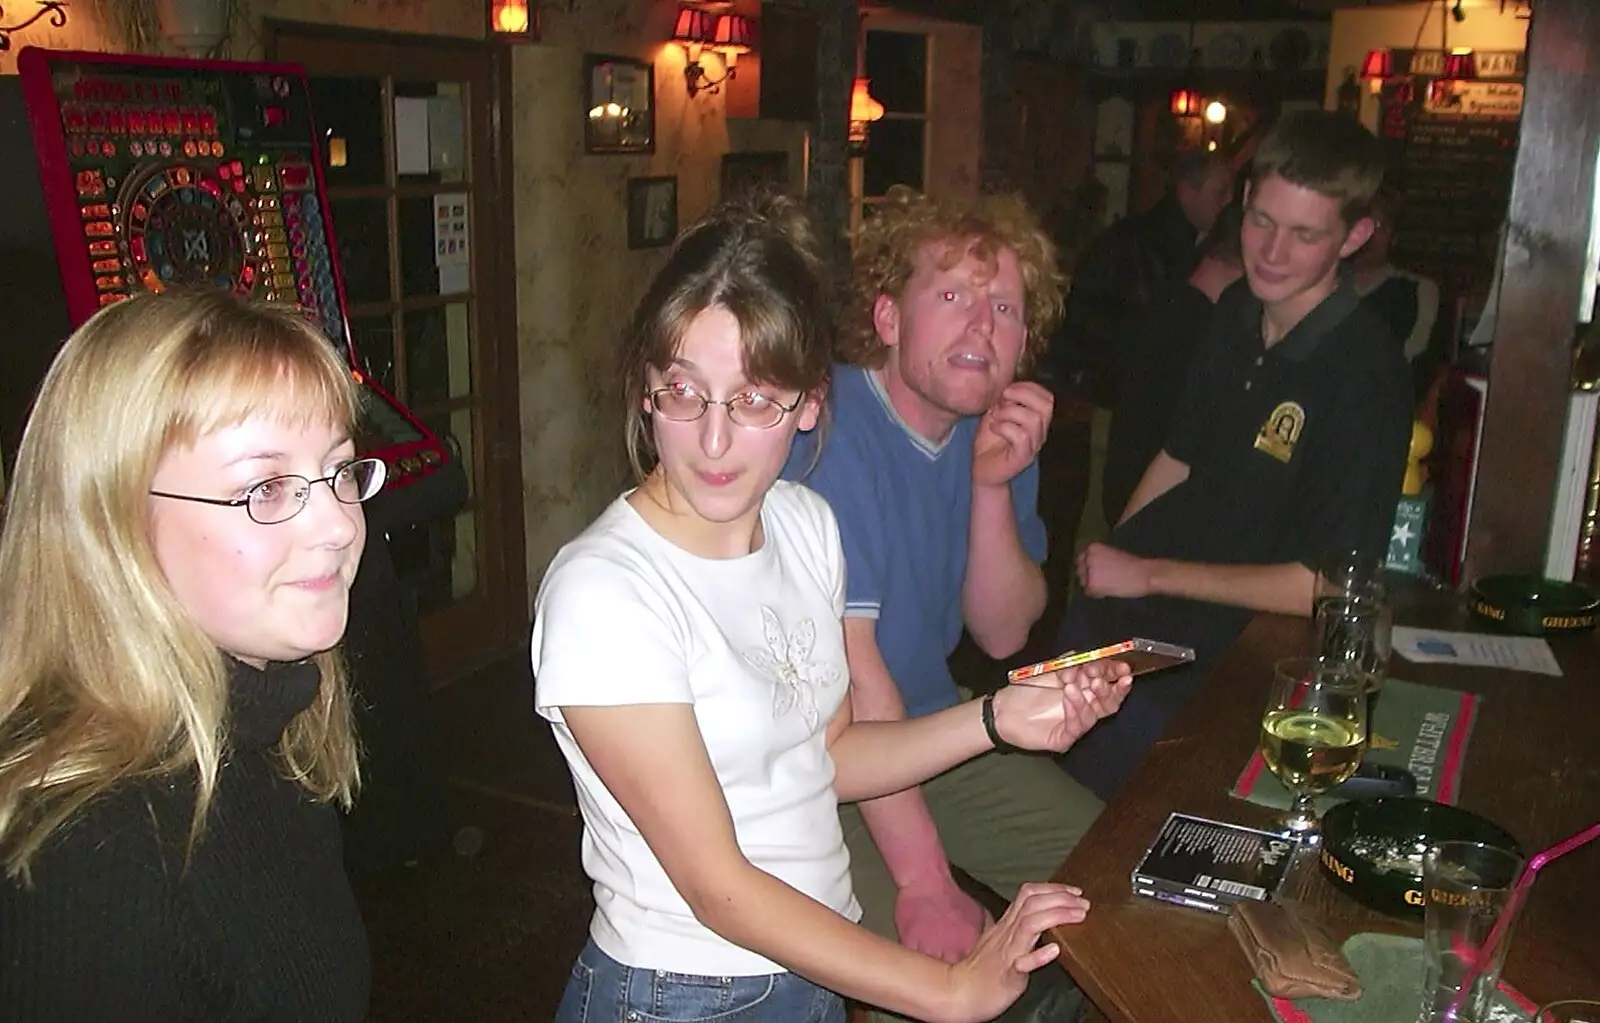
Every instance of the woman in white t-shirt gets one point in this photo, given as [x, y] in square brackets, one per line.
[689, 654]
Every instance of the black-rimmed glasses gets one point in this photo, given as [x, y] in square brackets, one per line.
[281, 498]
[753, 410]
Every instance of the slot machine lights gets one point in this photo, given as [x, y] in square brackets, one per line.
[55, 10]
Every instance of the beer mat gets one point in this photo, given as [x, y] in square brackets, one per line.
[1423, 729]
[1390, 968]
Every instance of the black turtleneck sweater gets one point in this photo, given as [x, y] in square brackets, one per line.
[260, 926]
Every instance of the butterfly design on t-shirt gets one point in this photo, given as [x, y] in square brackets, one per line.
[787, 664]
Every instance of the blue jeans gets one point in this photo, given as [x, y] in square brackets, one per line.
[602, 990]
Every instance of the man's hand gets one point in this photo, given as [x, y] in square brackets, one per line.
[1011, 433]
[938, 919]
[1105, 571]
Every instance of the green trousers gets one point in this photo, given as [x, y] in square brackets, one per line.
[1004, 818]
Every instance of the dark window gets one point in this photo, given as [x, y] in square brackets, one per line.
[897, 67]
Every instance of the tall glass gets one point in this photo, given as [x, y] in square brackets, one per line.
[1468, 887]
[1357, 631]
[1313, 731]
[1347, 573]
[1354, 620]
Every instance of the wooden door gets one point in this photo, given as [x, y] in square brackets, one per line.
[414, 172]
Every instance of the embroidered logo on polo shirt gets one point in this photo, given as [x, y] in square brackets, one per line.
[1281, 431]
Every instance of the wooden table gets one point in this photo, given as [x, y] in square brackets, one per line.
[1533, 765]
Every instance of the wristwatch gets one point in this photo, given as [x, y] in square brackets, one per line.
[1000, 745]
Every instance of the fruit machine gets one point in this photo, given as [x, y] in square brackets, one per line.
[163, 173]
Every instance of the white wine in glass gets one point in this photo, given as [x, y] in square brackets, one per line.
[1313, 731]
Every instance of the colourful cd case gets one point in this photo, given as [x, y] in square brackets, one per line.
[1207, 864]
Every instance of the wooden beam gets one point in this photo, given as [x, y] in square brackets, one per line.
[828, 176]
[1548, 235]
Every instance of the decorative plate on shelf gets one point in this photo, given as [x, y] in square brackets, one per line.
[1169, 49]
[1226, 49]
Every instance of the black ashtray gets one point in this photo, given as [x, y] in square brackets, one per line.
[1530, 605]
[1372, 851]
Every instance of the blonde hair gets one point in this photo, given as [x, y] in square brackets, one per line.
[888, 244]
[104, 676]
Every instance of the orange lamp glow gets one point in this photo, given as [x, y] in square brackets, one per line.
[512, 20]
[1184, 102]
[863, 111]
[1379, 64]
[732, 35]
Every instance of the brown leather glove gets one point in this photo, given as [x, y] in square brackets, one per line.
[1292, 957]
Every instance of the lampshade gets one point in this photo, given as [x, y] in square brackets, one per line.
[512, 19]
[863, 107]
[1460, 65]
[693, 28]
[1184, 102]
[732, 34]
[1379, 64]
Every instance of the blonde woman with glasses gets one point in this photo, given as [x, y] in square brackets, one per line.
[180, 537]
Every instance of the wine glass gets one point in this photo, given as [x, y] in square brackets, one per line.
[1313, 731]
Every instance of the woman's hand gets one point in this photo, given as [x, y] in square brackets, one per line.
[996, 972]
[1051, 711]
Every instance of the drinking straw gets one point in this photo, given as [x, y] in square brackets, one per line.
[1480, 958]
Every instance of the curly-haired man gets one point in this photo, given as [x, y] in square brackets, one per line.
[929, 466]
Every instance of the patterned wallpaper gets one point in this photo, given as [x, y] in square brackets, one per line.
[577, 281]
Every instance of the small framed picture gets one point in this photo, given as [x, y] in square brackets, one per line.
[652, 212]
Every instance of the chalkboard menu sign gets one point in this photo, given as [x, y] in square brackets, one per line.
[1452, 146]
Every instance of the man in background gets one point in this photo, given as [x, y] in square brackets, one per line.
[1153, 362]
[1289, 443]
[1127, 266]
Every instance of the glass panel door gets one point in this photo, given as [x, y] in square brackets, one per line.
[405, 136]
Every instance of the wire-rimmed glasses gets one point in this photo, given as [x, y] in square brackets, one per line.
[750, 409]
[281, 498]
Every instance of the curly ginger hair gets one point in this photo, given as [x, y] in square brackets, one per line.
[889, 243]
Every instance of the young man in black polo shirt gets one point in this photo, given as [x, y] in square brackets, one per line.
[1290, 441]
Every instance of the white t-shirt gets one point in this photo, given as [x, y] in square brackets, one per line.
[755, 644]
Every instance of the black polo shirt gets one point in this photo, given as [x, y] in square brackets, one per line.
[1152, 370]
[1294, 451]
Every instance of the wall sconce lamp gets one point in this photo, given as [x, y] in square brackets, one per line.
[863, 111]
[1215, 112]
[1378, 66]
[56, 9]
[513, 21]
[1460, 65]
[729, 34]
[1184, 102]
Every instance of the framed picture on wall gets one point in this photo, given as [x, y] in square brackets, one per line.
[742, 172]
[619, 105]
[652, 212]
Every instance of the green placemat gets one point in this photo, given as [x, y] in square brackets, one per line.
[1421, 728]
[1390, 968]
